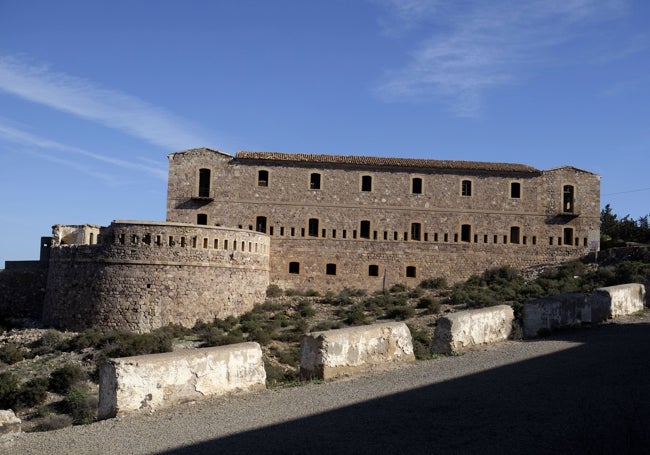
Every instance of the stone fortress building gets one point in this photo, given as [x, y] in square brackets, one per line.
[236, 224]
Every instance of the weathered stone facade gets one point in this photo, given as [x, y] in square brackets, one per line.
[144, 275]
[337, 221]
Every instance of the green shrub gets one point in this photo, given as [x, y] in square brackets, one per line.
[273, 290]
[81, 405]
[33, 392]
[123, 344]
[261, 336]
[89, 338]
[400, 312]
[305, 309]
[416, 293]
[355, 315]
[8, 390]
[51, 341]
[11, 353]
[312, 293]
[277, 375]
[326, 325]
[399, 287]
[422, 339]
[433, 283]
[429, 303]
[64, 378]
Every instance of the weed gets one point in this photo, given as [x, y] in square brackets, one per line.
[273, 290]
[11, 353]
[64, 378]
[54, 422]
[81, 405]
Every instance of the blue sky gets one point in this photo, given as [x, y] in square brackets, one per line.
[95, 95]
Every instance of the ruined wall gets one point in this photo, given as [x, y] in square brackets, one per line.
[391, 230]
[147, 275]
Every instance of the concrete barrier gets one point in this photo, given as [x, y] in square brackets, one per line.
[457, 331]
[152, 381]
[555, 312]
[340, 352]
[620, 300]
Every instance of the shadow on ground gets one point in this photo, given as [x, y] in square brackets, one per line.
[591, 399]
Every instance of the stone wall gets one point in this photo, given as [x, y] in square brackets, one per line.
[457, 331]
[145, 275]
[159, 380]
[340, 352]
[339, 235]
[22, 291]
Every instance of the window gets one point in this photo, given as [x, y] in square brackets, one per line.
[204, 183]
[202, 218]
[515, 190]
[416, 185]
[567, 199]
[514, 234]
[313, 227]
[364, 232]
[262, 178]
[466, 188]
[465, 232]
[330, 269]
[568, 236]
[373, 270]
[314, 181]
[366, 183]
[260, 224]
[294, 267]
[410, 271]
[416, 231]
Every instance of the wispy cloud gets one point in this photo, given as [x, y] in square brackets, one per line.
[476, 45]
[32, 142]
[111, 108]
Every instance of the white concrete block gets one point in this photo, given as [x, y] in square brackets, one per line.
[345, 351]
[157, 380]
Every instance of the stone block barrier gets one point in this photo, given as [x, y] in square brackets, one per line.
[333, 353]
[457, 331]
[620, 300]
[152, 381]
[555, 312]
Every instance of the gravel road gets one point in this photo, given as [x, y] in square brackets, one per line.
[580, 391]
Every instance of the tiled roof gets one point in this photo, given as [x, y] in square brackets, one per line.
[386, 162]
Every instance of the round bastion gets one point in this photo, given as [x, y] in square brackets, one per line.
[139, 276]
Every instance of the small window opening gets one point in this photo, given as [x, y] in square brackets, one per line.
[416, 185]
[333, 233]
[202, 218]
[466, 188]
[364, 231]
[567, 201]
[373, 270]
[204, 182]
[313, 227]
[514, 234]
[260, 224]
[262, 178]
[366, 183]
[314, 181]
[416, 229]
[515, 190]
[411, 271]
[330, 269]
[294, 267]
[568, 236]
[205, 243]
[465, 233]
